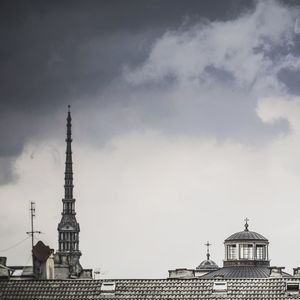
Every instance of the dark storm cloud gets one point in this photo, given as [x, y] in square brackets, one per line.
[57, 52]
[52, 51]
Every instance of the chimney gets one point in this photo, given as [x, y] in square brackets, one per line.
[296, 272]
[182, 273]
[43, 263]
[3, 260]
[276, 271]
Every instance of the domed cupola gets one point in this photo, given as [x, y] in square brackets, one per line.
[246, 248]
[207, 265]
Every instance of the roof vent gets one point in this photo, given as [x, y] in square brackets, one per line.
[292, 287]
[220, 286]
[108, 287]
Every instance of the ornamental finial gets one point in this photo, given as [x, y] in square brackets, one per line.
[246, 224]
[207, 253]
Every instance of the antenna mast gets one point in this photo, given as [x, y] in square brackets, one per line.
[32, 232]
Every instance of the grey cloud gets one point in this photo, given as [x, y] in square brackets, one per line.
[60, 52]
[207, 78]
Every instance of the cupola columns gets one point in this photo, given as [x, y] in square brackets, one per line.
[246, 248]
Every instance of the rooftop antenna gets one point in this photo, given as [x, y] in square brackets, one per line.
[32, 232]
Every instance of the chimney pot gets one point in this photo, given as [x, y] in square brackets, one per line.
[3, 260]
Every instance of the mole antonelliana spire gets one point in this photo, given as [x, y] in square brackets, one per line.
[68, 228]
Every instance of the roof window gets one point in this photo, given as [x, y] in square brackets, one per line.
[292, 287]
[220, 286]
[108, 287]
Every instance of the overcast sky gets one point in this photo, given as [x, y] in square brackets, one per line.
[186, 120]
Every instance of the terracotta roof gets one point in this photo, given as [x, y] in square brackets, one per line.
[246, 235]
[142, 289]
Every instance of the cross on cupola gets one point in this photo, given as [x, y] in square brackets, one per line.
[207, 253]
[246, 224]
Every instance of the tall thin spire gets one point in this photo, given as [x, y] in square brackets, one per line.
[68, 228]
[69, 164]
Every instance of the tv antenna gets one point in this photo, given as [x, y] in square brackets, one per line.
[32, 232]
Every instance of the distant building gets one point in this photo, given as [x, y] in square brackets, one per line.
[246, 256]
[67, 264]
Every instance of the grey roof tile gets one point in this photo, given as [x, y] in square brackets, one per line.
[163, 289]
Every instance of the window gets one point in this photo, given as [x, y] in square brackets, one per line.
[231, 251]
[220, 286]
[108, 287]
[246, 251]
[292, 287]
[260, 252]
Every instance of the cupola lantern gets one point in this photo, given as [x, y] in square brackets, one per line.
[246, 248]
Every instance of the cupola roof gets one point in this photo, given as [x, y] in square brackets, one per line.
[245, 235]
[208, 264]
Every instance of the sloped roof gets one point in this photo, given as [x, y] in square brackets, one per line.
[246, 235]
[142, 289]
[242, 272]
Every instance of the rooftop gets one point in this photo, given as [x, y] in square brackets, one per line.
[142, 289]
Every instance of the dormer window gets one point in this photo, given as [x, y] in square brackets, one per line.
[246, 251]
[292, 288]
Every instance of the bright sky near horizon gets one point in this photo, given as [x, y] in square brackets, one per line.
[186, 120]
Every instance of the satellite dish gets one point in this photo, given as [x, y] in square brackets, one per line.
[297, 26]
